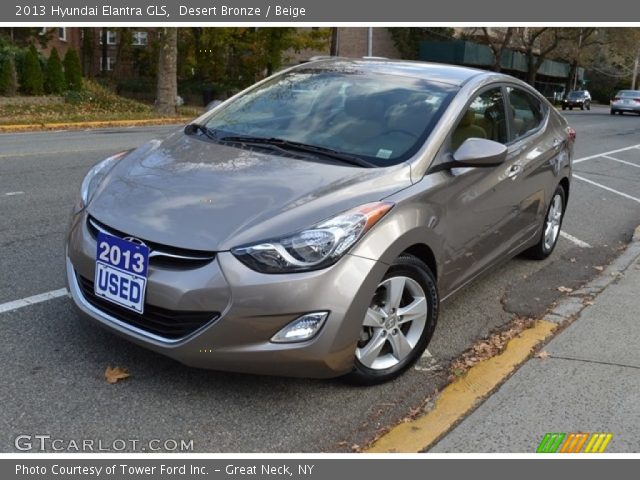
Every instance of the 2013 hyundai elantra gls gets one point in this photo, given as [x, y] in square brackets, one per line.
[312, 224]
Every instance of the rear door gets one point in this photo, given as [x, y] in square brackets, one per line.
[534, 148]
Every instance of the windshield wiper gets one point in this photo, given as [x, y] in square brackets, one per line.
[301, 147]
[192, 128]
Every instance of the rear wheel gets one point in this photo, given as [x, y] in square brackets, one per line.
[399, 322]
[550, 228]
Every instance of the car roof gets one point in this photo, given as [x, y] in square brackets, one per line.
[440, 72]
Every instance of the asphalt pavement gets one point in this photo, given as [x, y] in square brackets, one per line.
[53, 362]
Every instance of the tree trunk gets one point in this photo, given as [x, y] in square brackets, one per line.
[104, 52]
[532, 69]
[167, 72]
[334, 42]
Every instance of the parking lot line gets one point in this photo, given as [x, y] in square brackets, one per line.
[621, 161]
[604, 187]
[25, 302]
[575, 240]
[591, 157]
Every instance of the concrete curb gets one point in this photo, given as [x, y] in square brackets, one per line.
[570, 307]
[463, 395]
[93, 124]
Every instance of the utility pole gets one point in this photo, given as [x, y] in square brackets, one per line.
[370, 42]
[635, 71]
[575, 77]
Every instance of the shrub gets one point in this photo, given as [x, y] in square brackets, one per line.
[72, 70]
[31, 81]
[8, 77]
[54, 79]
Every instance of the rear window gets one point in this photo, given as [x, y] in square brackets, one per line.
[629, 94]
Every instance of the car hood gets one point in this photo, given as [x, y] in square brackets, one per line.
[190, 193]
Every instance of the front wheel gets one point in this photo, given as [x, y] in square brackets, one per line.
[399, 322]
[551, 227]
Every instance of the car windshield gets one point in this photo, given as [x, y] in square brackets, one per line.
[576, 95]
[380, 118]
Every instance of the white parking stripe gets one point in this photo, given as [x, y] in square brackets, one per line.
[25, 302]
[13, 194]
[621, 161]
[591, 157]
[575, 240]
[604, 187]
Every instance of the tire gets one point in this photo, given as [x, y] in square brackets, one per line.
[552, 219]
[570, 108]
[612, 112]
[386, 348]
[564, 107]
[589, 106]
[582, 107]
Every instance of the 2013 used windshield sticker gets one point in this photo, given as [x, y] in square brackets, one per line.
[383, 153]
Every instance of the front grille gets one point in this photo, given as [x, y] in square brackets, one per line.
[170, 324]
[163, 256]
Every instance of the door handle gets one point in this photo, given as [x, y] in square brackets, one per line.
[514, 171]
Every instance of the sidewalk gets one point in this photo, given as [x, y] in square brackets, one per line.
[590, 382]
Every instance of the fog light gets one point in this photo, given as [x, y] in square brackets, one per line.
[303, 328]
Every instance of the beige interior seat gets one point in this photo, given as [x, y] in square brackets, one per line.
[467, 128]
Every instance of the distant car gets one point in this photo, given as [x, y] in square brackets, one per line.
[626, 101]
[577, 98]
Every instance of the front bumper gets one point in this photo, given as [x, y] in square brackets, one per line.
[251, 308]
[569, 103]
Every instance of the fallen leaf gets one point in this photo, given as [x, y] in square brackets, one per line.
[565, 289]
[113, 375]
[343, 443]
[572, 260]
[599, 268]
[543, 355]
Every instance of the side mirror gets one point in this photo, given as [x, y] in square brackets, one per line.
[480, 152]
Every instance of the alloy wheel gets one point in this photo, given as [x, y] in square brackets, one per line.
[553, 222]
[394, 323]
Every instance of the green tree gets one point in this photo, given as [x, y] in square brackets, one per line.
[54, 76]
[73, 70]
[8, 77]
[32, 79]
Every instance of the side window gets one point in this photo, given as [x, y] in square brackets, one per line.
[526, 112]
[485, 118]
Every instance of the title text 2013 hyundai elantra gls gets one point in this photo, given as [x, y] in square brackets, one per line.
[311, 225]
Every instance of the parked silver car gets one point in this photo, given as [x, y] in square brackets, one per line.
[626, 101]
[312, 224]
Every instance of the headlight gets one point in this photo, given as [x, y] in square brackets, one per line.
[314, 248]
[95, 176]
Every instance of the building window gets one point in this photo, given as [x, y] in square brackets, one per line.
[111, 38]
[62, 34]
[140, 38]
[111, 62]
